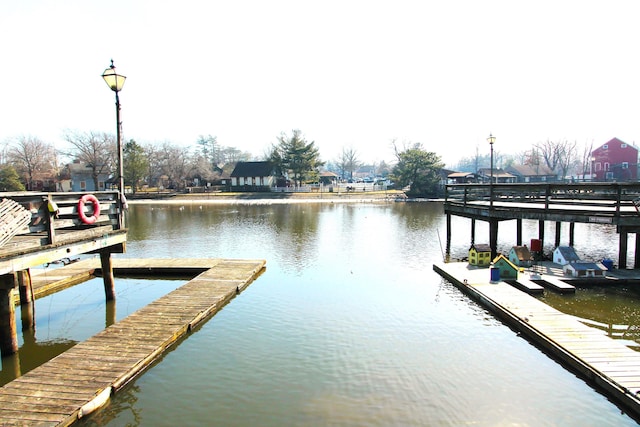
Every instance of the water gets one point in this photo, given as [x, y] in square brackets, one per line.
[348, 326]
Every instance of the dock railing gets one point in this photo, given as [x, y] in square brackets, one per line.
[57, 214]
[610, 197]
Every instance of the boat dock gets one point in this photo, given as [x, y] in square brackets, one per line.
[605, 362]
[83, 378]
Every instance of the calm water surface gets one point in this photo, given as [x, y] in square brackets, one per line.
[348, 326]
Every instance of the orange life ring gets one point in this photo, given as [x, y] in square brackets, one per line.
[96, 209]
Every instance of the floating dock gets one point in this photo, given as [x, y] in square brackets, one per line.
[83, 378]
[608, 363]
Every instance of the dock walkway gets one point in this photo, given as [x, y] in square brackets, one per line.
[608, 363]
[83, 378]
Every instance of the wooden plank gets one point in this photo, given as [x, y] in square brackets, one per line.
[55, 392]
[526, 285]
[556, 284]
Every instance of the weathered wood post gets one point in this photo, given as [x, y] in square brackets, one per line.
[622, 250]
[636, 255]
[558, 232]
[8, 336]
[572, 229]
[26, 300]
[107, 275]
[493, 237]
[519, 231]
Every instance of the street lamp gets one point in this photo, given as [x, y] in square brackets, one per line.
[491, 140]
[115, 81]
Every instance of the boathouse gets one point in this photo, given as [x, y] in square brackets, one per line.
[508, 270]
[480, 255]
[520, 256]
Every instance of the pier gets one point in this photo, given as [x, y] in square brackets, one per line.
[608, 364]
[83, 378]
[613, 204]
[40, 228]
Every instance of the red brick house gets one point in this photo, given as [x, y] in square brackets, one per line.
[614, 161]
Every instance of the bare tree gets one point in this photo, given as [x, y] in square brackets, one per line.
[96, 150]
[585, 160]
[32, 158]
[348, 162]
[558, 156]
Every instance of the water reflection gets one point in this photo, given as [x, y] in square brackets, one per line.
[73, 315]
[348, 326]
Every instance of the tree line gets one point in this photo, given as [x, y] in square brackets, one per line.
[28, 163]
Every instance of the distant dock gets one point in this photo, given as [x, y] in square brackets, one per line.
[83, 378]
[609, 364]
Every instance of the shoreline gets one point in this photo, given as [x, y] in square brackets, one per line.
[274, 198]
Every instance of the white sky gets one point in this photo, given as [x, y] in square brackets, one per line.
[346, 73]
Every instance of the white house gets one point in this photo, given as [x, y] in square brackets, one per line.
[585, 269]
[565, 255]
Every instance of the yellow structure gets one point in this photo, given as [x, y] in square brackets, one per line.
[480, 255]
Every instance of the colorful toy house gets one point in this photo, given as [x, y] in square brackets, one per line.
[520, 256]
[480, 255]
[508, 270]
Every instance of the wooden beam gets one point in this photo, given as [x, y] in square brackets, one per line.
[8, 335]
[107, 276]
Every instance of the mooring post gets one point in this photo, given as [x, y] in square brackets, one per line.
[8, 335]
[572, 229]
[473, 231]
[26, 300]
[493, 237]
[519, 231]
[448, 243]
[622, 250]
[107, 275]
[558, 232]
[541, 235]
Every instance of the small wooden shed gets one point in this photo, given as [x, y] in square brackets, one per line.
[480, 255]
[508, 270]
[520, 256]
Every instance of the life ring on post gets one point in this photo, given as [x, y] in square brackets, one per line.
[96, 209]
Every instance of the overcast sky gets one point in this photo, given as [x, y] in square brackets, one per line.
[346, 73]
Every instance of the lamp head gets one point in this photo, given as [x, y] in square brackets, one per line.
[114, 80]
[491, 139]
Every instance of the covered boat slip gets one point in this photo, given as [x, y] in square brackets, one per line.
[82, 379]
[608, 363]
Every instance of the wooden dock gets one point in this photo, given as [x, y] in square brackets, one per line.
[46, 281]
[83, 378]
[608, 363]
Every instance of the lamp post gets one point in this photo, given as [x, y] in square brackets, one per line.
[491, 140]
[116, 82]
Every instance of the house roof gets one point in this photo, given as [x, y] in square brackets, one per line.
[497, 173]
[460, 174]
[615, 142]
[522, 252]
[481, 247]
[568, 253]
[583, 266]
[244, 169]
[503, 259]
[528, 170]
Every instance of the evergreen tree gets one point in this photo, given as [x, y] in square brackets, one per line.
[419, 169]
[135, 164]
[9, 179]
[297, 156]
